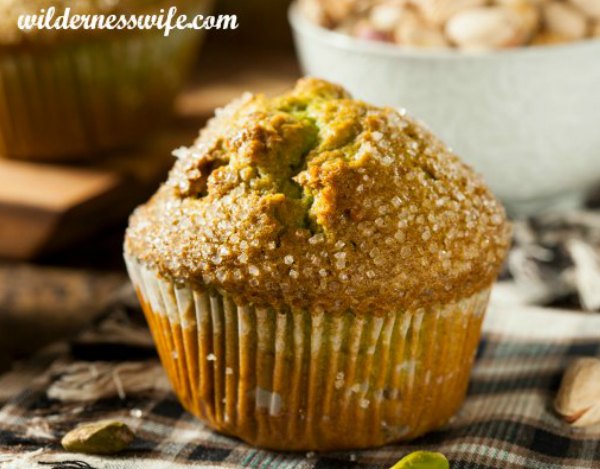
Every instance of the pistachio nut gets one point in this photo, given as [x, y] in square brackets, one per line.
[387, 15]
[486, 28]
[103, 437]
[545, 38]
[423, 460]
[565, 20]
[528, 14]
[363, 29]
[590, 7]
[439, 11]
[413, 30]
[578, 399]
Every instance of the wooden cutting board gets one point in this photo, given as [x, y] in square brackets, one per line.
[45, 207]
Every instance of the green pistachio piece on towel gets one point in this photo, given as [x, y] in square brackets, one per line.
[423, 460]
[103, 437]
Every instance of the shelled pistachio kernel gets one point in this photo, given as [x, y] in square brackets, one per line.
[423, 460]
[103, 437]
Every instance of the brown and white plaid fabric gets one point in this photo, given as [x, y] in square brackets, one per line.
[506, 422]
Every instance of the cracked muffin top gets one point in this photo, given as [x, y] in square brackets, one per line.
[319, 201]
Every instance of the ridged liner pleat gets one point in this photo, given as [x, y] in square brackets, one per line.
[64, 100]
[297, 380]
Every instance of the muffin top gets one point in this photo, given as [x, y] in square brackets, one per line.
[315, 200]
[11, 10]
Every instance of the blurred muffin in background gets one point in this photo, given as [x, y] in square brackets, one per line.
[71, 94]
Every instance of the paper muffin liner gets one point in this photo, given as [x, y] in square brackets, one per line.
[297, 380]
[75, 97]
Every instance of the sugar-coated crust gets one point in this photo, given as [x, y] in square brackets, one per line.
[315, 200]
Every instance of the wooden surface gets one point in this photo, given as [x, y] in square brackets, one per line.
[44, 208]
[34, 199]
[40, 305]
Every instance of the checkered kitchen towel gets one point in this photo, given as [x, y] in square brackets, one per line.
[506, 422]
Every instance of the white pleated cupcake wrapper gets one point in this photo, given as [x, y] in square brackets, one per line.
[310, 381]
[64, 100]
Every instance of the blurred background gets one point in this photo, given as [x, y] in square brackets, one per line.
[73, 167]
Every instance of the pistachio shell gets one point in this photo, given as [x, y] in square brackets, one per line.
[423, 460]
[363, 29]
[533, 3]
[413, 30]
[439, 11]
[103, 437]
[578, 399]
[314, 12]
[338, 10]
[386, 16]
[486, 28]
[528, 14]
[590, 7]
[565, 20]
[545, 38]
[329, 13]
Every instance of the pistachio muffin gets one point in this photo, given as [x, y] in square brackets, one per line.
[315, 272]
[71, 94]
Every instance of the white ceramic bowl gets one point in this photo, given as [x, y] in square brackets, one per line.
[528, 119]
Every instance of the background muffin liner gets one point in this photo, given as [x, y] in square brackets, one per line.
[310, 381]
[73, 96]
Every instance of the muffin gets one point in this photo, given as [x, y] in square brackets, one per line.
[315, 272]
[69, 94]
